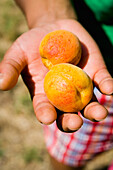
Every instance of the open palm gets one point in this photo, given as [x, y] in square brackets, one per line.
[24, 58]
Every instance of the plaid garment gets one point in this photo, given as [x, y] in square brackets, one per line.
[111, 166]
[75, 149]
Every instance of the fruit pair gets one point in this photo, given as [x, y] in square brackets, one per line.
[67, 86]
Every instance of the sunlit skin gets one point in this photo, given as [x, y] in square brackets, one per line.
[23, 58]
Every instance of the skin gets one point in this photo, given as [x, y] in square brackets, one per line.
[19, 60]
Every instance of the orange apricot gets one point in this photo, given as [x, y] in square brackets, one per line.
[68, 87]
[60, 46]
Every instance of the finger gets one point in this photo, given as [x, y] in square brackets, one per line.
[104, 81]
[11, 66]
[69, 122]
[95, 112]
[45, 112]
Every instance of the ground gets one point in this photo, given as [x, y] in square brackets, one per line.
[22, 145]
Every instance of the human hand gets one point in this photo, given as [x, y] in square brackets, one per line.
[23, 58]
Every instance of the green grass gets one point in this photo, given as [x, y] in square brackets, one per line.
[32, 154]
[12, 24]
[23, 104]
[11, 19]
[10, 28]
[1, 153]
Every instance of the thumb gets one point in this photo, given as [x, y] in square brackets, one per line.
[11, 66]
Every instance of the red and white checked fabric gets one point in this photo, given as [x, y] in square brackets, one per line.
[111, 166]
[75, 149]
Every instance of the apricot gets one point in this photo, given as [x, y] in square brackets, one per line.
[60, 46]
[68, 87]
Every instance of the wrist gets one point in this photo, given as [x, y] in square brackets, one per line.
[39, 13]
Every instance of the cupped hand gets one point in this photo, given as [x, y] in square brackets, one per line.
[23, 58]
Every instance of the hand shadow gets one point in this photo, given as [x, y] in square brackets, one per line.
[84, 56]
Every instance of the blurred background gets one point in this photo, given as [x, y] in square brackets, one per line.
[22, 144]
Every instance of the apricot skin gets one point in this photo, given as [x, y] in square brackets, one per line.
[68, 87]
[60, 46]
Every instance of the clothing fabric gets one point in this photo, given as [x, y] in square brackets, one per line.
[103, 11]
[111, 166]
[101, 31]
[75, 149]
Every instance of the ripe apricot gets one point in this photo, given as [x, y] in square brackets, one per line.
[60, 46]
[68, 87]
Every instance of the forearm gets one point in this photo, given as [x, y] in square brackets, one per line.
[44, 11]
